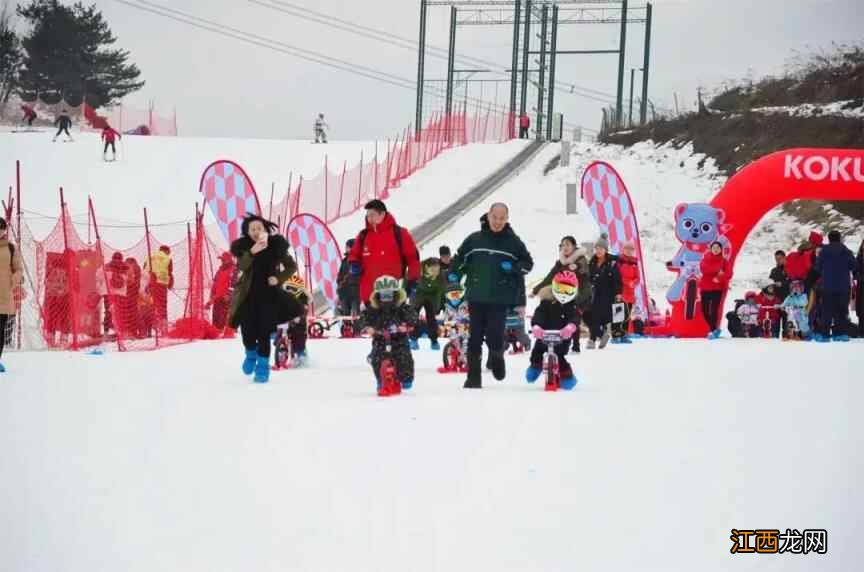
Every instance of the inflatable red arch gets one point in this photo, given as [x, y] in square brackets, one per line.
[815, 174]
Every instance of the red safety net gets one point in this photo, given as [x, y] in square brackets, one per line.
[80, 294]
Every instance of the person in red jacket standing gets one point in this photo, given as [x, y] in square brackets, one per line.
[109, 135]
[383, 248]
[220, 292]
[712, 285]
[524, 124]
[628, 266]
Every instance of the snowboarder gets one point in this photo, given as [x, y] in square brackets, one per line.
[321, 129]
[388, 310]
[108, 136]
[29, 115]
[258, 303]
[10, 279]
[557, 311]
[63, 123]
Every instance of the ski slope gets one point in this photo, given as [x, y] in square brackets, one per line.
[172, 460]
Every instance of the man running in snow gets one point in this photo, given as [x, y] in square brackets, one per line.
[108, 136]
[63, 123]
[320, 129]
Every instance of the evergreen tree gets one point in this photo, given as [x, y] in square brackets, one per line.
[10, 54]
[67, 55]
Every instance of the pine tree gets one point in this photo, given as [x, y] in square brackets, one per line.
[67, 55]
[10, 54]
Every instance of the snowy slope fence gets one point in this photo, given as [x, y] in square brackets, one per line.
[79, 292]
[338, 191]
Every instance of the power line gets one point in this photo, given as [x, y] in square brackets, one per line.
[409, 44]
[282, 47]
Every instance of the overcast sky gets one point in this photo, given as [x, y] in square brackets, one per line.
[225, 87]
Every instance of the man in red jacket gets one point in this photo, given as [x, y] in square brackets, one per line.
[524, 124]
[383, 248]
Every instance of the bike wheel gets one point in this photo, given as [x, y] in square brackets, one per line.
[552, 373]
[316, 330]
[450, 357]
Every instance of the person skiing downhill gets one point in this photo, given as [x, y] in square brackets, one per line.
[320, 129]
[109, 135]
[63, 123]
[29, 115]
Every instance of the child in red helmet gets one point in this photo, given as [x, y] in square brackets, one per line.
[557, 311]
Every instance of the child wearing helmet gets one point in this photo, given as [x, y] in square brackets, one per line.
[388, 310]
[297, 332]
[795, 305]
[557, 311]
[748, 313]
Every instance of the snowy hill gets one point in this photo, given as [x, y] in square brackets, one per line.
[172, 460]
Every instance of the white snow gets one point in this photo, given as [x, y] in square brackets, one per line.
[172, 460]
[851, 108]
[160, 173]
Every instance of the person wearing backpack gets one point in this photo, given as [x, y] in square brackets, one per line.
[383, 248]
[10, 279]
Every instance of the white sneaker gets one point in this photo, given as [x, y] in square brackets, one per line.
[604, 340]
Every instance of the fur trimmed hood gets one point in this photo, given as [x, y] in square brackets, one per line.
[545, 293]
[401, 298]
[577, 254]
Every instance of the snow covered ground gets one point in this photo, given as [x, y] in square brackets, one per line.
[851, 108]
[172, 460]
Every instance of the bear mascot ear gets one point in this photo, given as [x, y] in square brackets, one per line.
[721, 217]
[680, 209]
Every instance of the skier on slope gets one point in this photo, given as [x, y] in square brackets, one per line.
[29, 115]
[320, 129]
[109, 135]
[63, 123]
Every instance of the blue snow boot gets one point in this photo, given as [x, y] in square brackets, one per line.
[249, 362]
[568, 383]
[841, 338]
[821, 339]
[414, 345]
[626, 340]
[2, 369]
[407, 383]
[262, 370]
[532, 373]
[435, 346]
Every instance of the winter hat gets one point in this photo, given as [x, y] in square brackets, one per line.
[444, 251]
[350, 243]
[834, 236]
[226, 257]
[815, 238]
[377, 205]
[117, 256]
[602, 242]
[165, 248]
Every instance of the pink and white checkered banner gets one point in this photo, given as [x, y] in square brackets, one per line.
[606, 195]
[230, 194]
[308, 234]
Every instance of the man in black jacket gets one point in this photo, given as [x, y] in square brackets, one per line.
[348, 285]
[63, 124]
[837, 265]
[494, 262]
